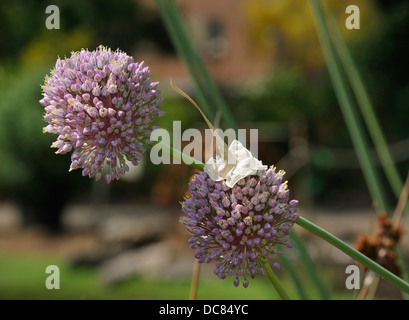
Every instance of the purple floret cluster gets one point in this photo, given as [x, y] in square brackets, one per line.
[239, 226]
[101, 104]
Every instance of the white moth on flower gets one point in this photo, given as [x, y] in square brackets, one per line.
[244, 164]
[231, 163]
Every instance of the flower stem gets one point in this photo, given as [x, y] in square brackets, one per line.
[289, 268]
[209, 86]
[195, 280]
[351, 117]
[364, 103]
[274, 280]
[183, 157]
[353, 253]
[208, 94]
[181, 47]
[310, 266]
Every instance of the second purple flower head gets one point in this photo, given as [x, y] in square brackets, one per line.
[101, 105]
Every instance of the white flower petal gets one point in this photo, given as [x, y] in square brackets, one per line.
[211, 168]
[244, 164]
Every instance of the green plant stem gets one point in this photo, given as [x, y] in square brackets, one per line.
[354, 254]
[288, 267]
[274, 280]
[208, 94]
[195, 280]
[183, 157]
[351, 118]
[178, 42]
[310, 266]
[213, 92]
[365, 105]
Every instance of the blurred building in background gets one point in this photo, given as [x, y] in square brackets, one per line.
[219, 31]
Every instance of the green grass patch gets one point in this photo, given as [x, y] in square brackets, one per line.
[23, 277]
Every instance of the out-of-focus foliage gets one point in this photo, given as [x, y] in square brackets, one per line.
[284, 29]
[45, 47]
[20, 120]
[117, 24]
[281, 97]
[384, 64]
[30, 172]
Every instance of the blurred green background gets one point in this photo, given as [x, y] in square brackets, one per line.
[266, 59]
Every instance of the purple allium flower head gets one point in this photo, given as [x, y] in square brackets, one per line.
[235, 226]
[101, 104]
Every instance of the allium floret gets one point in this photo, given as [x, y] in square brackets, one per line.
[101, 105]
[237, 226]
